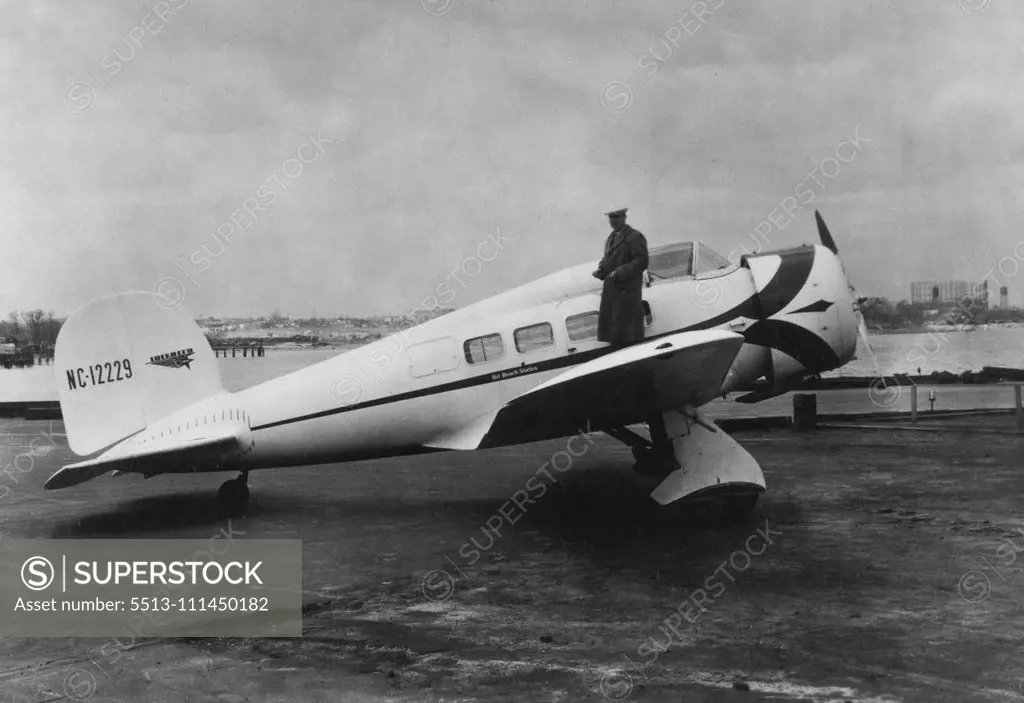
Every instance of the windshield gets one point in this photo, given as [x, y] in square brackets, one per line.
[671, 260]
[684, 259]
[708, 260]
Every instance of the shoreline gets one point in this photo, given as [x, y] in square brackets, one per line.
[927, 328]
[240, 342]
[884, 398]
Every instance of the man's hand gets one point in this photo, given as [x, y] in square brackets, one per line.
[598, 274]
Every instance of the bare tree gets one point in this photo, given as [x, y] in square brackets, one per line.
[52, 328]
[34, 321]
[14, 321]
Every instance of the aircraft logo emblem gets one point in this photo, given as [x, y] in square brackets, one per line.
[173, 360]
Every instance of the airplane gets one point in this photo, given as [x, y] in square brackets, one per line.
[139, 383]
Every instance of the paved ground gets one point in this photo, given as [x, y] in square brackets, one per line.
[885, 576]
[876, 399]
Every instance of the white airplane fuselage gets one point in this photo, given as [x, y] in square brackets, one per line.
[140, 386]
[396, 395]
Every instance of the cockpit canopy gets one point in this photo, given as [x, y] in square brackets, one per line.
[684, 259]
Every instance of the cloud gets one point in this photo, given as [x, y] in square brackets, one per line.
[490, 115]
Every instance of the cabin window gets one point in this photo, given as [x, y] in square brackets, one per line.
[648, 315]
[534, 337]
[581, 327]
[486, 348]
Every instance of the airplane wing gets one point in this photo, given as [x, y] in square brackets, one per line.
[687, 368]
[163, 455]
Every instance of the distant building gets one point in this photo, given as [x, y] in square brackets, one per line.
[1004, 298]
[938, 294]
[211, 323]
[877, 304]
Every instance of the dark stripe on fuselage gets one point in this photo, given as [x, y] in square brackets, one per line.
[799, 342]
[489, 377]
[817, 306]
[788, 280]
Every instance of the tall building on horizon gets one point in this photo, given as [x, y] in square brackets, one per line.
[945, 293]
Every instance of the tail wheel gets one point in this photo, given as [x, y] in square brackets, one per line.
[233, 497]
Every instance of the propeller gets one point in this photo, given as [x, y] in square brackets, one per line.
[762, 390]
[862, 328]
[826, 236]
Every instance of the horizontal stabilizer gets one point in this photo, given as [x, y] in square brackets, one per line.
[167, 454]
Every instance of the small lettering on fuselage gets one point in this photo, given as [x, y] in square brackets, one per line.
[511, 373]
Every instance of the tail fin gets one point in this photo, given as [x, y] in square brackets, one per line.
[125, 361]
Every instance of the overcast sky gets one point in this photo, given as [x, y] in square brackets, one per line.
[420, 130]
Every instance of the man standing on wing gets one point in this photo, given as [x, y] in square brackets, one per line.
[621, 319]
[621, 322]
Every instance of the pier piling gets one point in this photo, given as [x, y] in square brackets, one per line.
[805, 411]
[1018, 411]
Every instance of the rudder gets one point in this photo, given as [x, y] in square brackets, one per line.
[123, 362]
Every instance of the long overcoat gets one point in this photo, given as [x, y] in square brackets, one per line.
[621, 319]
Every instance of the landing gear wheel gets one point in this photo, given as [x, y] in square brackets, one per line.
[233, 497]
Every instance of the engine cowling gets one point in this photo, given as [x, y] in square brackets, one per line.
[806, 317]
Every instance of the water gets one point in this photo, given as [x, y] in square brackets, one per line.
[896, 353]
[39, 383]
[954, 351]
[239, 373]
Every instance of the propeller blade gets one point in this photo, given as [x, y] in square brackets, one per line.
[826, 236]
[862, 330]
